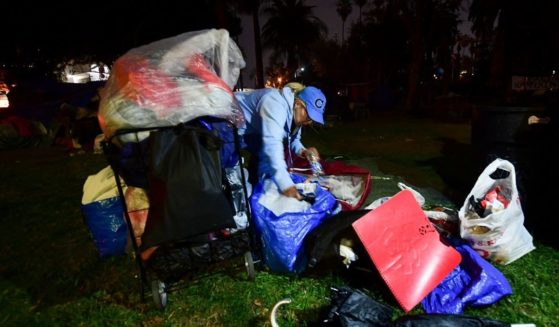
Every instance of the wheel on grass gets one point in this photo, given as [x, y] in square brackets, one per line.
[159, 293]
[249, 265]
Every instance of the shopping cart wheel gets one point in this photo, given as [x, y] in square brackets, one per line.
[159, 294]
[249, 265]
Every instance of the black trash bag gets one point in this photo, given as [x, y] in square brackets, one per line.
[186, 191]
[447, 320]
[321, 241]
[353, 308]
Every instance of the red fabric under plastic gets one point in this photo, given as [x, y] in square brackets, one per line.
[146, 85]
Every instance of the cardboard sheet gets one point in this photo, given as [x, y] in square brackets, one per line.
[406, 249]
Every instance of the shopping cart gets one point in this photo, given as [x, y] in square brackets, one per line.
[185, 197]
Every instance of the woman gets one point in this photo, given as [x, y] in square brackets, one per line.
[272, 116]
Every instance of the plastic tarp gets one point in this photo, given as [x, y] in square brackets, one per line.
[475, 282]
[173, 81]
[105, 221]
[283, 233]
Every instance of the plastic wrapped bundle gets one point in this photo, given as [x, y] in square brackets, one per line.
[172, 81]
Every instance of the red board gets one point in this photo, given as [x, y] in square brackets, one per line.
[406, 249]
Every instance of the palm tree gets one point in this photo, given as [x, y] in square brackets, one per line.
[290, 29]
[252, 7]
[343, 8]
[360, 4]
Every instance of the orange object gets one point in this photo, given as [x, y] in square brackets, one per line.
[406, 249]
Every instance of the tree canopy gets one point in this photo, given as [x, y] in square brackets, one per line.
[290, 30]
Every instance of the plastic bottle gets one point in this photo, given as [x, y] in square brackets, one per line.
[316, 167]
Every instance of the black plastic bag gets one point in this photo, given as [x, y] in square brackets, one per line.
[444, 320]
[322, 241]
[187, 196]
[353, 308]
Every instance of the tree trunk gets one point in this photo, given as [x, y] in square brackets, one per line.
[258, 49]
[343, 30]
[416, 57]
[413, 78]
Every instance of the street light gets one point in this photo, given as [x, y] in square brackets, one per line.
[299, 71]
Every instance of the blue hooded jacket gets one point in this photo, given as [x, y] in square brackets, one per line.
[268, 119]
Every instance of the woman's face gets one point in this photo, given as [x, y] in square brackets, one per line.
[300, 116]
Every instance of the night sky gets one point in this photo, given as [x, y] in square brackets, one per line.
[114, 26]
[106, 28]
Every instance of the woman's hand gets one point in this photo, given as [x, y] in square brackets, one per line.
[292, 192]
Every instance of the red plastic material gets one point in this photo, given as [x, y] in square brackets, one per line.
[494, 198]
[406, 249]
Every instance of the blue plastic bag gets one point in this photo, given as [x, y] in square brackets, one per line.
[106, 224]
[475, 282]
[283, 235]
[228, 154]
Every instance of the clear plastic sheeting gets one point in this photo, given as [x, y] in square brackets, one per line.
[172, 81]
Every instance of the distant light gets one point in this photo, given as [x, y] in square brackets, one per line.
[553, 72]
[99, 73]
[4, 102]
[78, 78]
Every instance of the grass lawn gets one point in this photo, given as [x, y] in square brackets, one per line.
[51, 275]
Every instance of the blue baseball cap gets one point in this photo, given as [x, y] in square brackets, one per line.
[315, 103]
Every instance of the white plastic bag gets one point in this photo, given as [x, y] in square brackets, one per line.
[100, 186]
[500, 236]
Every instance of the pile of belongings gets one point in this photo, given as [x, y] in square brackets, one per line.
[173, 81]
